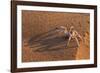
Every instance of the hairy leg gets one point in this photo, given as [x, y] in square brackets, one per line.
[77, 41]
[69, 40]
[80, 37]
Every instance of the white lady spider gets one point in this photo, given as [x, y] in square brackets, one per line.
[71, 34]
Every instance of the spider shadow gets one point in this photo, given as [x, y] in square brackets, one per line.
[51, 43]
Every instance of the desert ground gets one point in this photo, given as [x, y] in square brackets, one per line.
[42, 43]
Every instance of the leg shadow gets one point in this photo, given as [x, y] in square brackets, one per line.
[51, 44]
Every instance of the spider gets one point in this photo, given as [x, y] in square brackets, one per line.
[71, 34]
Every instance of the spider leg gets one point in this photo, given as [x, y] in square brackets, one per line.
[80, 37]
[77, 41]
[69, 40]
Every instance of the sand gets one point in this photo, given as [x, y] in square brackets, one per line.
[42, 43]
